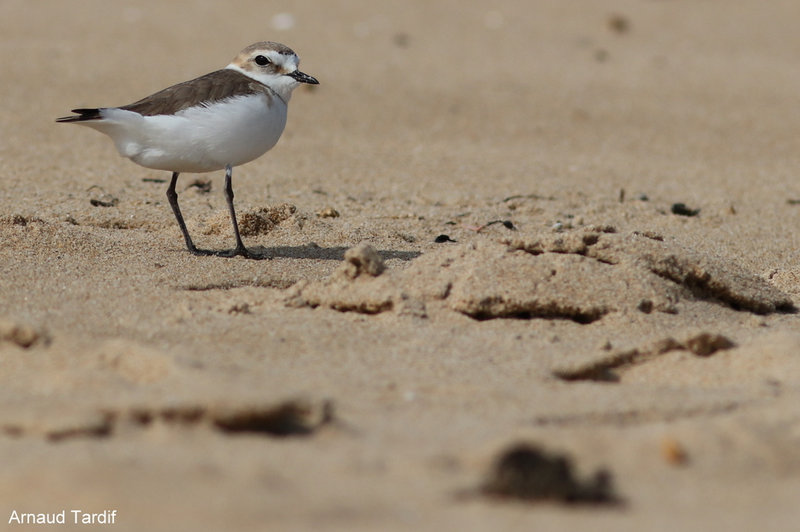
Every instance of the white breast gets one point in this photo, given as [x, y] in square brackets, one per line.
[198, 139]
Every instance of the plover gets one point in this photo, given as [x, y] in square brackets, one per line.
[223, 119]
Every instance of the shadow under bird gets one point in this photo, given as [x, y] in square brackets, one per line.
[218, 121]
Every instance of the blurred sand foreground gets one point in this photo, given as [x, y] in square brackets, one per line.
[514, 168]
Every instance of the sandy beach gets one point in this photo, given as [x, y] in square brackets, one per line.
[523, 266]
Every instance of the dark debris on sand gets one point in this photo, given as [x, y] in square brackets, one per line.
[525, 472]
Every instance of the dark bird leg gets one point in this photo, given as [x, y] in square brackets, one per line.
[172, 196]
[240, 249]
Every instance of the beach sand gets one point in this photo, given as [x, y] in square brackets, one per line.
[563, 227]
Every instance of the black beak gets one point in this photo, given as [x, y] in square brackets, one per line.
[303, 78]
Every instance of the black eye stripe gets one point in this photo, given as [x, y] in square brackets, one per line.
[262, 60]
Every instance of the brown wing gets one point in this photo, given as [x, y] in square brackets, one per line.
[219, 85]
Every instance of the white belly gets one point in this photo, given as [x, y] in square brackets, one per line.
[200, 139]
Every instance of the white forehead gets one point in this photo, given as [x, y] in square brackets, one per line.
[290, 61]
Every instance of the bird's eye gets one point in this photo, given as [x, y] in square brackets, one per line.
[262, 60]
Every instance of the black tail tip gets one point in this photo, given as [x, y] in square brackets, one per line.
[83, 114]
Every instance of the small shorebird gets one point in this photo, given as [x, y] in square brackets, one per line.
[223, 119]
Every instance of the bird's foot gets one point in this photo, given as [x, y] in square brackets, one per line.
[201, 252]
[238, 251]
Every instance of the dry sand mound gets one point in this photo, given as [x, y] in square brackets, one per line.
[580, 275]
